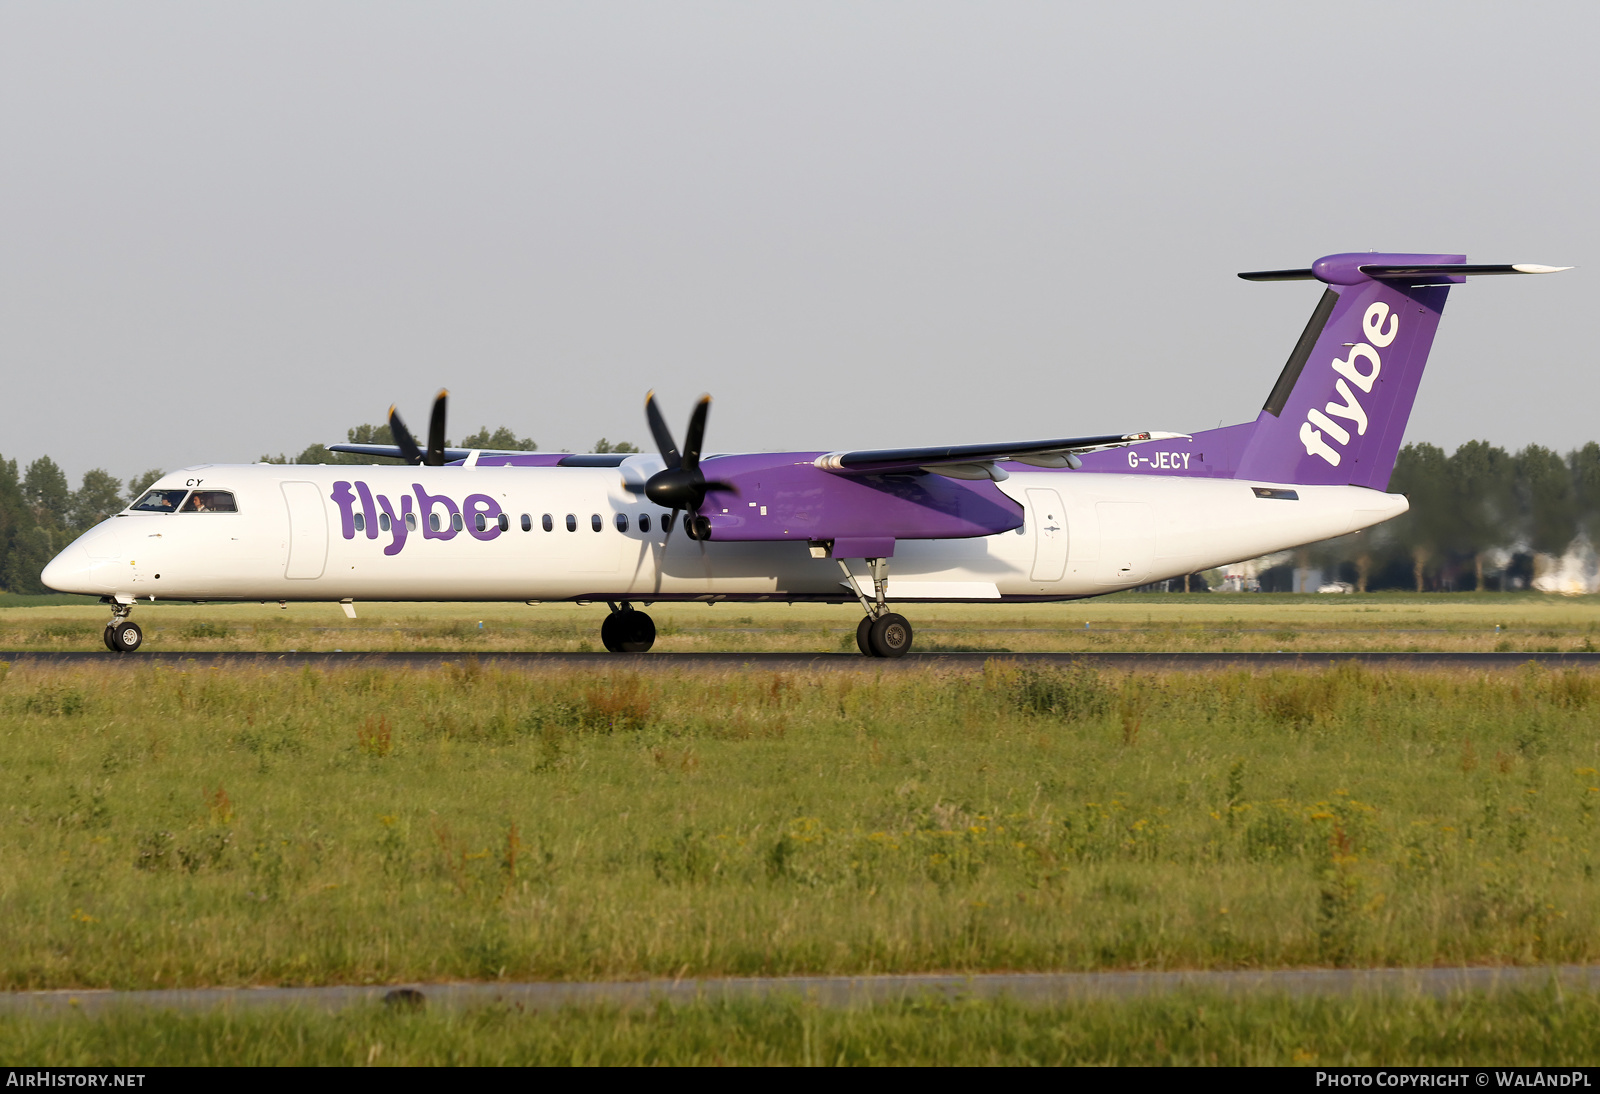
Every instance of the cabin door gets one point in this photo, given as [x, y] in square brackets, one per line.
[308, 530]
[1049, 534]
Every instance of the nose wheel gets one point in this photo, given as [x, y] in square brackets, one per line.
[122, 635]
[627, 631]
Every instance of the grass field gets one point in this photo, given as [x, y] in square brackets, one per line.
[1530, 622]
[169, 826]
[1528, 1029]
[163, 827]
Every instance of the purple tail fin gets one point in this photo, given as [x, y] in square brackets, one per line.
[1338, 411]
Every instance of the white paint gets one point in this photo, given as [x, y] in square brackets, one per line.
[1127, 542]
[1126, 529]
[307, 534]
[1049, 519]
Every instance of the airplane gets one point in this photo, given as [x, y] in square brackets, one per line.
[1015, 521]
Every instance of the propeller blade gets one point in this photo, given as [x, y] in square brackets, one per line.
[403, 437]
[662, 435]
[697, 433]
[435, 456]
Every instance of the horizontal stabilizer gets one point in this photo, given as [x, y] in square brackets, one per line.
[1385, 273]
[1279, 275]
[963, 460]
[1458, 270]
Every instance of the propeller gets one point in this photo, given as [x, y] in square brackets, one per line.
[434, 456]
[681, 485]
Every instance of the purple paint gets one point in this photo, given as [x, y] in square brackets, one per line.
[476, 504]
[345, 500]
[397, 523]
[1346, 415]
[425, 509]
[864, 547]
[368, 508]
[785, 496]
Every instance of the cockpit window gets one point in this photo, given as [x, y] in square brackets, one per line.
[159, 501]
[210, 501]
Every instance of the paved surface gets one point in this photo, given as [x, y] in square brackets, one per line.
[825, 662]
[1034, 988]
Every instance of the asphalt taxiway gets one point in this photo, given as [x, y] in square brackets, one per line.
[1038, 989]
[808, 662]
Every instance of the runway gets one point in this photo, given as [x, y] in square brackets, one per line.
[1038, 989]
[809, 662]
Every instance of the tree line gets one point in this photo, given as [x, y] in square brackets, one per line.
[1481, 518]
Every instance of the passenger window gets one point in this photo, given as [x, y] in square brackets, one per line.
[433, 521]
[504, 522]
[547, 522]
[644, 522]
[527, 523]
[572, 523]
[210, 501]
[481, 524]
[383, 522]
[666, 523]
[159, 501]
[361, 522]
[596, 523]
[455, 521]
[622, 522]
[411, 522]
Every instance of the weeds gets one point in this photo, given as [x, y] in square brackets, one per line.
[374, 737]
[240, 827]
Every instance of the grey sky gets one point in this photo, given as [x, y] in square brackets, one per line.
[229, 229]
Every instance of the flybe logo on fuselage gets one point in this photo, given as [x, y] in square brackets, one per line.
[434, 515]
[1325, 437]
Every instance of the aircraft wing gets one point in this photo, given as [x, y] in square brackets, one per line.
[392, 451]
[976, 461]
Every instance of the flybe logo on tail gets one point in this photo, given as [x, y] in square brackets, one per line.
[1325, 437]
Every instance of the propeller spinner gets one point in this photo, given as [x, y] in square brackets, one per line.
[434, 456]
[681, 484]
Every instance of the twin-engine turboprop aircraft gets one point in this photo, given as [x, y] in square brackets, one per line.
[1020, 520]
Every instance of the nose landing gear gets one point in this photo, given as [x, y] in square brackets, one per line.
[881, 633]
[626, 630]
[122, 635]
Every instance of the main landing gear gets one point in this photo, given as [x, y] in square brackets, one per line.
[122, 634]
[881, 633]
[626, 630]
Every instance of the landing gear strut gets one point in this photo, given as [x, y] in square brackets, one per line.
[627, 631]
[122, 635]
[881, 633]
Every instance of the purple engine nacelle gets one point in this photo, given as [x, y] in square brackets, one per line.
[785, 496]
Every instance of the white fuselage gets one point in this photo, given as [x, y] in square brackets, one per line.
[1083, 535]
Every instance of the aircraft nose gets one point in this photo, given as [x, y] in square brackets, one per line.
[69, 572]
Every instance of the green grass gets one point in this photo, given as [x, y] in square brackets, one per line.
[1500, 1030]
[1515, 622]
[162, 826]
